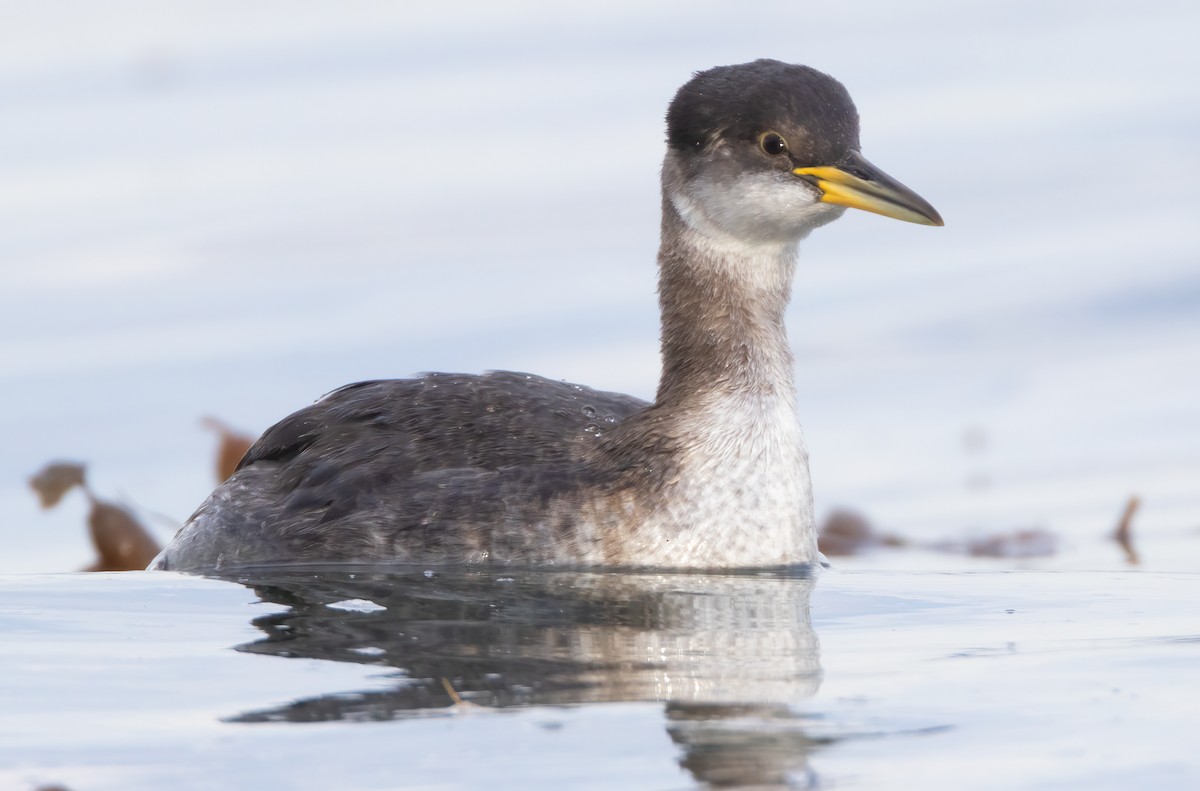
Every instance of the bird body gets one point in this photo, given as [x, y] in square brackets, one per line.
[515, 469]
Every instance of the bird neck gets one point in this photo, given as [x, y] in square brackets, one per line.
[737, 471]
[723, 304]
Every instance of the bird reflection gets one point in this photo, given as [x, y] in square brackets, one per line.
[729, 655]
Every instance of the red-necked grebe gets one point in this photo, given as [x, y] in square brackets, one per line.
[513, 468]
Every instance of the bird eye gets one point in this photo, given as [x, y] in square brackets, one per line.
[773, 143]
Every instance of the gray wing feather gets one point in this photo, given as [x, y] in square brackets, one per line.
[433, 467]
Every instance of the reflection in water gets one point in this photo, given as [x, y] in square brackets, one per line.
[729, 654]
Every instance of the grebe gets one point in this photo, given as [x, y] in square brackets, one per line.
[512, 468]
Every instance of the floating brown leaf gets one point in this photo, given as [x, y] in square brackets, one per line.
[1029, 543]
[849, 533]
[232, 448]
[1123, 535]
[55, 480]
[121, 541]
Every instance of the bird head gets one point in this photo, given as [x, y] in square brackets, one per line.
[766, 151]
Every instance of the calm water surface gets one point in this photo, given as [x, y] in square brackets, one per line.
[347, 679]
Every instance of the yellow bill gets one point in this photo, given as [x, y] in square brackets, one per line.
[857, 183]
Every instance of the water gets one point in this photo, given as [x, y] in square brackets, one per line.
[324, 679]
